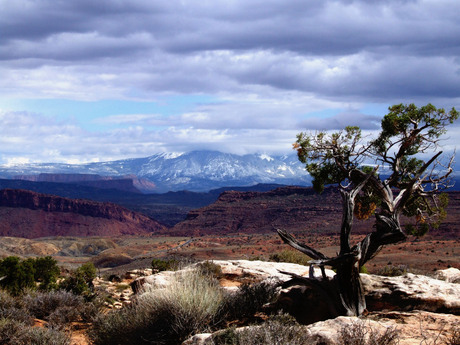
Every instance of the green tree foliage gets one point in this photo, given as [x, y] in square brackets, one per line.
[16, 275]
[46, 272]
[408, 134]
[80, 281]
[21, 274]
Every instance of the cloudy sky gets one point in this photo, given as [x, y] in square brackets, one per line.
[86, 80]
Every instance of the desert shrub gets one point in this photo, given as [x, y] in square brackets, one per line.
[42, 304]
[248, 300]
[11, 308]
[210, 268]
[360, 334]
[454, 338]
[392, 271]
[121, 287]
[56, 307]
[278, 330]
[9, 330]
[41, 336]
[60, 307]
[14, 332]
[165, 316]
[291, 256]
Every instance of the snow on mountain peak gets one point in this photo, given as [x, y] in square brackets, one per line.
[266, 157]
[172, 155]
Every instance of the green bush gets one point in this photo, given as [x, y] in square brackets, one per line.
[292, 256]
[160, 265]
[46, 272]
[80, 281]
[16, 275]
[189, 305]
[19, 275]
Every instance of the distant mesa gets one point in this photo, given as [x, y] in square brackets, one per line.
[31, 215]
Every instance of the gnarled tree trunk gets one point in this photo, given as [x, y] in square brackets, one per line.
[345, 291]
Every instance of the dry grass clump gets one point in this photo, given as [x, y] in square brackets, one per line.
[12, 308]
[360, 334]
[281, 329]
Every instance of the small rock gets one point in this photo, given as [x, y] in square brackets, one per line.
[199, 339]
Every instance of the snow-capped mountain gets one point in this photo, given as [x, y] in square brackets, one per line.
[194, 171]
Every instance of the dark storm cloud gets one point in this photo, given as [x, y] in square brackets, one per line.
[335, 49]
[340, 121]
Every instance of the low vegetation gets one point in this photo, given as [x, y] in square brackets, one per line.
[35, 289]
[193, 302]
[13, 332]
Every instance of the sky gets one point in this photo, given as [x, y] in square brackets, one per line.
[87, 81]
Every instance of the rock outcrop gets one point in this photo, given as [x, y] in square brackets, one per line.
[411, 292]
[31, 215]
[404, 293]
[410, 328]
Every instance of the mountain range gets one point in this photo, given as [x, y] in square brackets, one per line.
[197, 171]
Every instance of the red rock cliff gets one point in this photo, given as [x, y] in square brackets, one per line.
[29, 214]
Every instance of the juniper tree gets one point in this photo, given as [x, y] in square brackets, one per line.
[406, 152]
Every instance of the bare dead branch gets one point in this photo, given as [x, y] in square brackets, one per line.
[288, 239]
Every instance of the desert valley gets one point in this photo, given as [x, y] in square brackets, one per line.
[233, 223]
